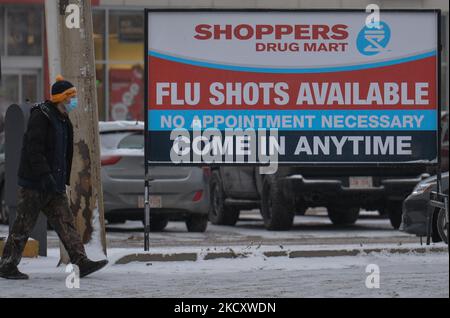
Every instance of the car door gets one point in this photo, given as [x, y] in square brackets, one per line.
[247, 183]
[230, 180]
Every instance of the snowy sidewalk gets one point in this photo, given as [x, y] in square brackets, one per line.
[401, 275]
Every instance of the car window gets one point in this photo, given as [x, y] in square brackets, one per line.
[122, 140]
[110, 140]
[132, 141]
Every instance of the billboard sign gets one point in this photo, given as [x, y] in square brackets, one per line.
[303, 86]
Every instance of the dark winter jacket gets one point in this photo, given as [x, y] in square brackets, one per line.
[47, 148]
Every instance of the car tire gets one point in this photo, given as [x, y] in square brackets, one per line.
[219, 213]
[197, 223]
[343, 215]
[394, 211]
[277, 213]
[158, 223]
[442, 226]
[4, 212]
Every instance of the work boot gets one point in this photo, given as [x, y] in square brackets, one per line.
[87, 266]
[9, 271]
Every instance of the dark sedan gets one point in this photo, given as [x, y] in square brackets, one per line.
[417, 207]
[4, 215]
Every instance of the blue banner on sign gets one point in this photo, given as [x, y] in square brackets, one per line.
[315, 120]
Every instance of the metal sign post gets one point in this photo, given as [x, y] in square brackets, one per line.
[147, 214]
[147, 177]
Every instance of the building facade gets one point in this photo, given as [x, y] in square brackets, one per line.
[119, 46]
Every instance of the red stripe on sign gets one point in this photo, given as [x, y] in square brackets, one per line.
[405, 76]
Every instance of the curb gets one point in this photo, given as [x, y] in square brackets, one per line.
[177, 257]
[356, 252]
[230, 254]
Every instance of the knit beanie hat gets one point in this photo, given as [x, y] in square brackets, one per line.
[62, 90]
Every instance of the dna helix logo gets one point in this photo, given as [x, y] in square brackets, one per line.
[371, 41]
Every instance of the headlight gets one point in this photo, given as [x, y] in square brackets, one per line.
[422, 187]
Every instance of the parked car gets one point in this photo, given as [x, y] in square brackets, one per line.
[177, 193]
[291, 190]
[343, 190]
[4, 215]
[416, 208]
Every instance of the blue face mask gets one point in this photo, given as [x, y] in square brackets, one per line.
[72, 104]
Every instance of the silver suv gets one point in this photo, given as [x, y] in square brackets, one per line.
[177, 193]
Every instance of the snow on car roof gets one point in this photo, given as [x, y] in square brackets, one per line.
[105, 126]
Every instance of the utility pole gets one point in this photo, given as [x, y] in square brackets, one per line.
[71, 54]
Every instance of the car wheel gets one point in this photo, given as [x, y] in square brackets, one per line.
[442, 226]
[197, 223]
[277, 213]
[219, 213]
[158, 223]
[394, 210]
[4, 213]
[343, 215]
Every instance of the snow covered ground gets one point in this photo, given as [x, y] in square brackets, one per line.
[410, 275]
[401, 275]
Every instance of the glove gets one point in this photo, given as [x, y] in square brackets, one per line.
[48, 184]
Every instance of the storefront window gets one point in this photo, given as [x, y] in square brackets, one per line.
[9, 91]
[98, 21]
[2, 31]
[25, 31]
[29, 88]
[126, 55]
[120, 72]
[126, 92]
[126, 36]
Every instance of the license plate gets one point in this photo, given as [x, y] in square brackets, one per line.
[360, 182]
[154, 200]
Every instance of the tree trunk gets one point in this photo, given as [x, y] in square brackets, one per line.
[77, 64]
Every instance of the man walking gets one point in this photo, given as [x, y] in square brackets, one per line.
[44, 171]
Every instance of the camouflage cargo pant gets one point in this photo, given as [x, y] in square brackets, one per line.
[56, 207]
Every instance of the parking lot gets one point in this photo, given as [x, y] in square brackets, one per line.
[311, 229]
